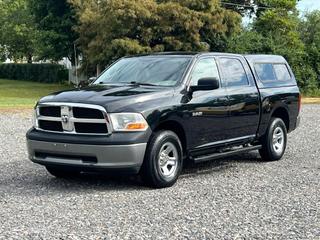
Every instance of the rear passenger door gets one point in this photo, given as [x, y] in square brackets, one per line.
[243, 97]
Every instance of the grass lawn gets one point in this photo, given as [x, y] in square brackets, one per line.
[23, 95]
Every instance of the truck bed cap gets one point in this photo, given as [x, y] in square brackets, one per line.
[264, 58]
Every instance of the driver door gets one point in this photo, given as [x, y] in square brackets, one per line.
[208, 110]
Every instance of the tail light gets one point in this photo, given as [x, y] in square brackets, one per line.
[299, 103]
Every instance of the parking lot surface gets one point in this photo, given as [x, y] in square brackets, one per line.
[235, 198]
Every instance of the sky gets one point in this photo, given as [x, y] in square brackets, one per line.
[303, 6]
[308, 5]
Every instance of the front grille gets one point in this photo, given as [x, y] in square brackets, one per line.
[72, 118]
[50, 125]
[87, 113]
[50, 111]
[90, 127]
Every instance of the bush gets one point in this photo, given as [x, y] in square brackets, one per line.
[46, 73]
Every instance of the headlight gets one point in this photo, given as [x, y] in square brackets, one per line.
[128, 122]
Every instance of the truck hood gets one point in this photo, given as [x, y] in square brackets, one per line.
[130, 98]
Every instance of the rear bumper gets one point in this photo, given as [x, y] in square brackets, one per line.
[88, 157]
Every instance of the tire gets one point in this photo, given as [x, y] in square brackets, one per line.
[163, 161]
[274, 142]
[61, 172]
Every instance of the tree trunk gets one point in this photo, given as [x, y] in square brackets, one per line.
[29, 58]
[98, 69]
[72, 60]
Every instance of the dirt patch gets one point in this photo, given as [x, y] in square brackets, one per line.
[24, 112]
[310, 100]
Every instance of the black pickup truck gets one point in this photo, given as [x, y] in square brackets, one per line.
[151, 114]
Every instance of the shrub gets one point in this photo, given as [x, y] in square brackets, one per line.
[46, 73]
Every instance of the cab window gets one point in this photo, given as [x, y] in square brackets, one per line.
[204, 68]
[233, 72]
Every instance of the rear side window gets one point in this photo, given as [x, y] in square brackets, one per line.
[272, 72]
[265, 71]
[234, 73]
[282, 72]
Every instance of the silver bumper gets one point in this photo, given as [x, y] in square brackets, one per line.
[87, 156]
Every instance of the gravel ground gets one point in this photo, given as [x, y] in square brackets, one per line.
[234, 198]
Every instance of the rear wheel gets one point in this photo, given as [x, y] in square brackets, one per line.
[163, 161]
[274, 142]
[61, 172]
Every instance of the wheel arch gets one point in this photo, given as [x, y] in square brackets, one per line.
[175, 127]
[282, 113]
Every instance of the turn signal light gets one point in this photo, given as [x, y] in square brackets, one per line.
[136, 126]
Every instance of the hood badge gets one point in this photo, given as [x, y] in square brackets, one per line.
[65, 118]
[197, 114]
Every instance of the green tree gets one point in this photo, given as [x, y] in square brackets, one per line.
[115, 28]
[275, 31]
[281, 25]
[3, 53]
[55, 20]
[250, 42]
[253, 8]
[281, 6]
[243, 7]
[18, 36]
[310, 35]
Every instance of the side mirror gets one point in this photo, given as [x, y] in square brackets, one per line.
[92, 79]
[206, 84]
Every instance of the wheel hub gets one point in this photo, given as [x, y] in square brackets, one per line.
[168, 160]
[278, 140]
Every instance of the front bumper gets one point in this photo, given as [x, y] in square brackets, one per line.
[86, 156]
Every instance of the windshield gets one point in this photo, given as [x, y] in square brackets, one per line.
[149, 70]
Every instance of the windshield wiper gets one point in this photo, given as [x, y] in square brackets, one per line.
[143, 84]
[131, 83]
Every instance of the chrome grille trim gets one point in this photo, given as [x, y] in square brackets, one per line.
[72, 119]
[68, 120]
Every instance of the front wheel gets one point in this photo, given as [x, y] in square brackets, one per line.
[274, 142]
[163, 161]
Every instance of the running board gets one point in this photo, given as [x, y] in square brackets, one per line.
[225, 154]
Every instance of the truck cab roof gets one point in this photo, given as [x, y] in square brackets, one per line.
[251, 58]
